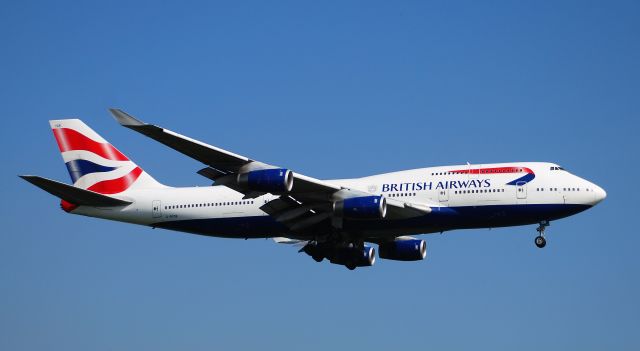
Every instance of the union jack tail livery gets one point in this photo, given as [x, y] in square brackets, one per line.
[94, 164]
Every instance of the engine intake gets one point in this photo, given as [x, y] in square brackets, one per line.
[364, 207]
[278, 180]
[403, 250]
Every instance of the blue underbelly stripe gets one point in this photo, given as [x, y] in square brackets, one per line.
[440, 219]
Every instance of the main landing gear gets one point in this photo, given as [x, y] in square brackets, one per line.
[540, 240]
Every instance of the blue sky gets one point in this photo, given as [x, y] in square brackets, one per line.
[330, 89]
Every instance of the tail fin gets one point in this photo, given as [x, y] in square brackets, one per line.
[94, 164]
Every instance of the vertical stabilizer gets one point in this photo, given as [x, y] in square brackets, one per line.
[94, 164]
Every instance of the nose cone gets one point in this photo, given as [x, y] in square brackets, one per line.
[599, 194]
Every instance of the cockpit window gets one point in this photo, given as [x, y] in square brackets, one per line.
[556, 168]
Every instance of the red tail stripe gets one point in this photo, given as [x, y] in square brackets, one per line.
[118, 185]
[70, 140]
[494, 170]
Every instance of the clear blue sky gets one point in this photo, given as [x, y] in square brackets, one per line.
[330, 89]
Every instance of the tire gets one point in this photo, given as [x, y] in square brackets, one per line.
[540, 242]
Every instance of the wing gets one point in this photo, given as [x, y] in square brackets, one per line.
[308, 202]
[221, 163]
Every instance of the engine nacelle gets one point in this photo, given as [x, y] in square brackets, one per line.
[403, 250]
[363, 207]
[344, 255]
[278, 180]
[354, 257]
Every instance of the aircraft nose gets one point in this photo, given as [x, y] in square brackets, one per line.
[599, 193]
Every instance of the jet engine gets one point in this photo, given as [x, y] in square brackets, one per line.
[354, 257]
[363, 207]
[403, 250]
[278, 180]
[349, 256]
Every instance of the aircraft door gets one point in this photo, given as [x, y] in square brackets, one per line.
[156, 208]
[521, 190]
[443, 195]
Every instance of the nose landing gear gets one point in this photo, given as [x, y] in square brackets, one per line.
[540, 240]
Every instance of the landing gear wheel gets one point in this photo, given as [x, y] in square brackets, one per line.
[318, 258]
[540, 240]
[350, 265]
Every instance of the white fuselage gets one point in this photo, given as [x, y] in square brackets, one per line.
[480, 195]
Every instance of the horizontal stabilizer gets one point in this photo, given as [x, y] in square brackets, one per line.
[72, 194]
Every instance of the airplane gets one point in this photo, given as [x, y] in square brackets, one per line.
[337, 220]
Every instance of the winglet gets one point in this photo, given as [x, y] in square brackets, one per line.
[125, 119]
